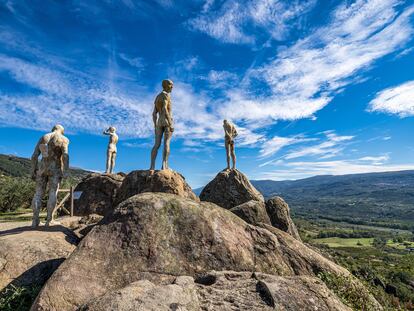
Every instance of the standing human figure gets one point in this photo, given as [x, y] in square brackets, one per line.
[163, 123]
[111, 151]
[229, 134]
[49, 171]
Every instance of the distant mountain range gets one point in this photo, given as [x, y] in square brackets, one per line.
[11, 165]
[385, 199]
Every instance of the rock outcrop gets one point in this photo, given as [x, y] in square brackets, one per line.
[229, 189]
[167, 181]
[145, 295]
[81, 225]
[98, 193]
[29, 256]
[223, 290]
[279, 214]
[252, 212]
[158, 237]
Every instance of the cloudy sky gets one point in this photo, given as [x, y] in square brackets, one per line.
[314, 87]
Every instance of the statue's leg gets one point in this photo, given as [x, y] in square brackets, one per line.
[108, 162]
[113, 158]
[51, 202]
[166, 151]
[233, 155]
[227, 145]
[41, 182]
[154, 151]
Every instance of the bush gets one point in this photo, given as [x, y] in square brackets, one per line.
[379, 242]
[14, 298]
[15, 192]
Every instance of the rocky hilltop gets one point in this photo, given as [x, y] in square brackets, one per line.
[159, 248]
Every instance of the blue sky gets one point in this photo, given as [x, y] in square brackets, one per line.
[314, 87]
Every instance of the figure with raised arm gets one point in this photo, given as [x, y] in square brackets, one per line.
[230, 134]
[111, 151]
[163, 124]
[52, 167]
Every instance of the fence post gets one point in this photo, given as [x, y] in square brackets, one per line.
[71, 201]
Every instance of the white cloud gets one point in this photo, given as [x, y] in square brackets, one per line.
[232, 22]
[375, 160]
[333, 146]
[137, 62]
[298, 170]
[304, 77]
[273, 145]
[397, 100]
[220, 79]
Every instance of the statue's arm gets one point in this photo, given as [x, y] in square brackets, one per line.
[35, 157]
[226, 134]
[106, 132]
[154, 116]
[235, 132]
[65, 157]
[167, 114]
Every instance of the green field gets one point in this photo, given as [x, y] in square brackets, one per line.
[19, 215]
[335, 242]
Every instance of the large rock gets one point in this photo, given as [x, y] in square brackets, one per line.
[252, 212]
[158, 236]
[144, 295]
[167, 181]
[29, 256]
[279, 214]
[223, 290]
[98, 193]
[229, 189]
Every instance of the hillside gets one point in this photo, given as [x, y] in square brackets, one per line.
[375, 198]
[20, 167]
[385, 199]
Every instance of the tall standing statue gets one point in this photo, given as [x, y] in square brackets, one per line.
[49, 171]
[111, 151]
[163, 123]
[229, 134]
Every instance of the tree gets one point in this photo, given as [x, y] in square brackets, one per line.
[379, 242]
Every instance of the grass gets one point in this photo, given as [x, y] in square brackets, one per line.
[19, 215]
[359, 242]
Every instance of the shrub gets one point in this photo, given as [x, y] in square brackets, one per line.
[15, 192]
[14, 298]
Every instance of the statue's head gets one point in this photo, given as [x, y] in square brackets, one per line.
[225, 121]
[58, 128]
[167, 85]
[112, 129]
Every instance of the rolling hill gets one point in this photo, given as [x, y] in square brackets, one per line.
[385, 199]
[20, 167]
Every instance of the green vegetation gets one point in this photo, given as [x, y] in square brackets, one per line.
[384, 262]
[15, 193]
[14, 298]
[345, 289]
[17, 189]
[375, 199]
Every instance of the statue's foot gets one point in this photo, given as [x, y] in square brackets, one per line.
[35, 223]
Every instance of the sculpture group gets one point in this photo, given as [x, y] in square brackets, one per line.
[54, 163]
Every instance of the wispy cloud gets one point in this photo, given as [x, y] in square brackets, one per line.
[303, 169]
[306, 76]
[236, 22]
[273, 145]
[397, 100]
[327, 149]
